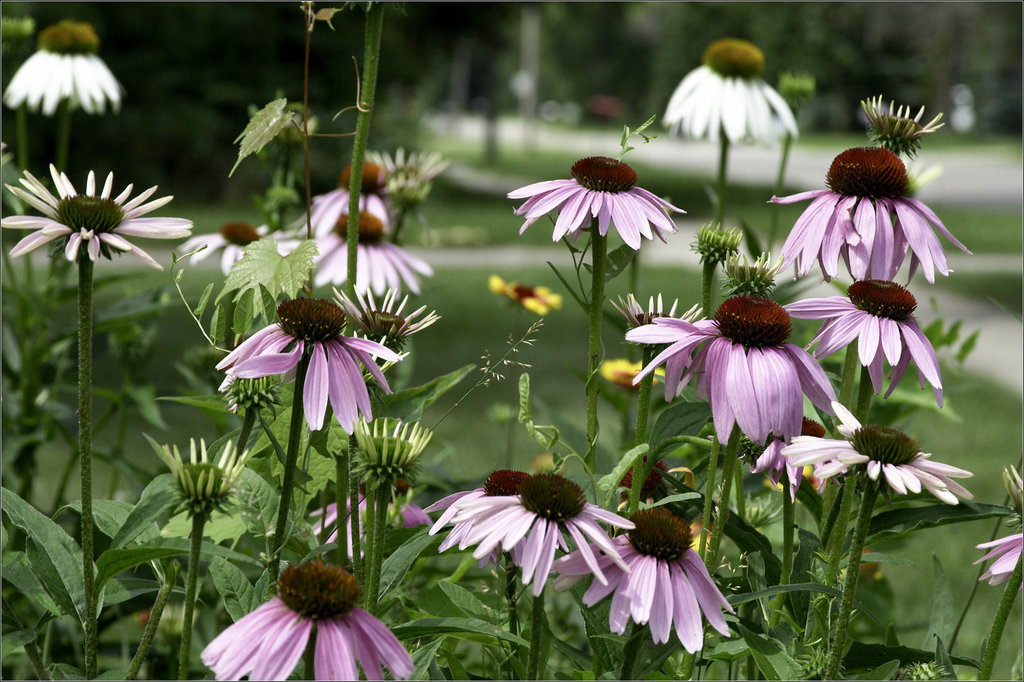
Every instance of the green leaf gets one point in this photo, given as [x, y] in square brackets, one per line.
[107, 515]
[619, 260]
[422, 658]
[397, 564]
[678, 419]
[262, 128]
[203, 300]
[113, 561]
[468, 603]
[55, 557]
[257, 502]
[607, 483]
[901, 521]
[882, 672]
[206, 402]
[862, 655]
[18, 572]
[942, 605]
[942, 656]
[144, 397]
[679, 497]
[219, 324]
[239, 596]
[155, 500]
[770, 656]
[737, 599]
[262, 265]
[454, 626]
[242, 319]
[408, 405]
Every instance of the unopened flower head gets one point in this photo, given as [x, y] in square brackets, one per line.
[388, 448]
[750, 279]
[408, 176]
[796, 88]
[539, 300]
[252, 394]
[1013, 484]
[928, 670]
[204, 486]
[716, 245]
[16, 30]
[65, 67]
[895, 129]
[727, 96]
[384, 323]
[93, 221]
[637, 316]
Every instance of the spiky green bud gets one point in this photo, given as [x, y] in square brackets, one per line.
[715, 244]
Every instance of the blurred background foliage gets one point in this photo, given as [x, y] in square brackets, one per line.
[192, 70]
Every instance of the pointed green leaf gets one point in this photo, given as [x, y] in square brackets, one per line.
[219, 324]
[262, 128]
[203, 300]
[942, 605]
[239, 595]
[897, 522]
[678, 419]
[398, 562]
[770, 656]
[454, 626]
[882, 672]
[408, 405]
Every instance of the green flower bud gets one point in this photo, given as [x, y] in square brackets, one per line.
[715, 244]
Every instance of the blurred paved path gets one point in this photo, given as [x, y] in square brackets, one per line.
[981, 179]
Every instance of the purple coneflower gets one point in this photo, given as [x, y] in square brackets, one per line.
[95, 221]
[268, 643]
[384, 322]
[328, 208]
[534, 520]
[334, 360]
[663, 581]
[885, 451]
[380, 265]
[746, 370]
[1006, 553]
[772, 461]
[726, 95]
[601, 188]
[877, 314]
[867, 217]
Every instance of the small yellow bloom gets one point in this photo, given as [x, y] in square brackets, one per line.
[621, 371]
[539, 300]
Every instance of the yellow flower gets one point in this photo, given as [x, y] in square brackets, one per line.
[622, 372]
[537, 300]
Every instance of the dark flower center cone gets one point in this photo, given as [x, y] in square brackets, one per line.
[240, 234]
[752, 321]
[551, 496]
[504, 482]
[318, 590]
[69, 37]
[882, 298]
[311, 319]
[812, 428]
[660, 534]
[95, 214]
[885, 444]
[872, 172]
[733, 57]
[603, 174]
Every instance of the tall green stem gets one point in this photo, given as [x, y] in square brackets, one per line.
[977, 582]
[842, 623]
[85, 451]
[643, 399]
[298, 418]
[709, 494]
[1002, 613]
[248, 421]
[153, 623]
[787, 142]
[864, 393]
[707, 286]
[636, 638]
[22, 126]
[723, 160]
[31, 648]
[834, 541]
[788, 517]
[340, 499]
[537, 623]
[380, 527]
[367, 91]
[849, 376]
[63, 134]
[711, 561]
[198, 521]
[511, 599]
[599, 257]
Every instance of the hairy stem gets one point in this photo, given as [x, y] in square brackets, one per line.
[599, 257]
[191, 580]
[340, 499]
[353, 513]
[709, 494]
[1002, 613]
[31, 649]
[707, 286]
[636, 638]
[380, 527]
[85, 452]
[298, 418]
[63, 134]
[834, 541]
[788, 515]
[977, 582]
[533, 666]
[723, 504]
[154, 621]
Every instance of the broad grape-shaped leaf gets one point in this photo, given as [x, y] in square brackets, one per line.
[263, 127]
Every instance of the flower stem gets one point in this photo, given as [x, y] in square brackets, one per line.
[63, 134]
[198, 521]
[707, 286]
[22, 126]
[367, 90]
[247, 423]
[977, 582]
[849, 375]
[711, 562]
[309, 655]
[379, 530]
[709, 491]
[1002, 613]
[787, 142]
[298, 418]
[835, 656]
[723, 158]
[599, 257]
[31, 648]
[788, 514]
[864, 393]
[537, 622]
[353, 513]
[85, 452]
[643, 400]
[834, 541]
[340, 497]
[154, 622]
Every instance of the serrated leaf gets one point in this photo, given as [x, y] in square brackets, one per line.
[262, 128]
[113, 561]
[262, 265]
[468, 603]
[240, 597]
[18, 572]
[219, 324]
[242, 319]
[678, 419]
[107, 515]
